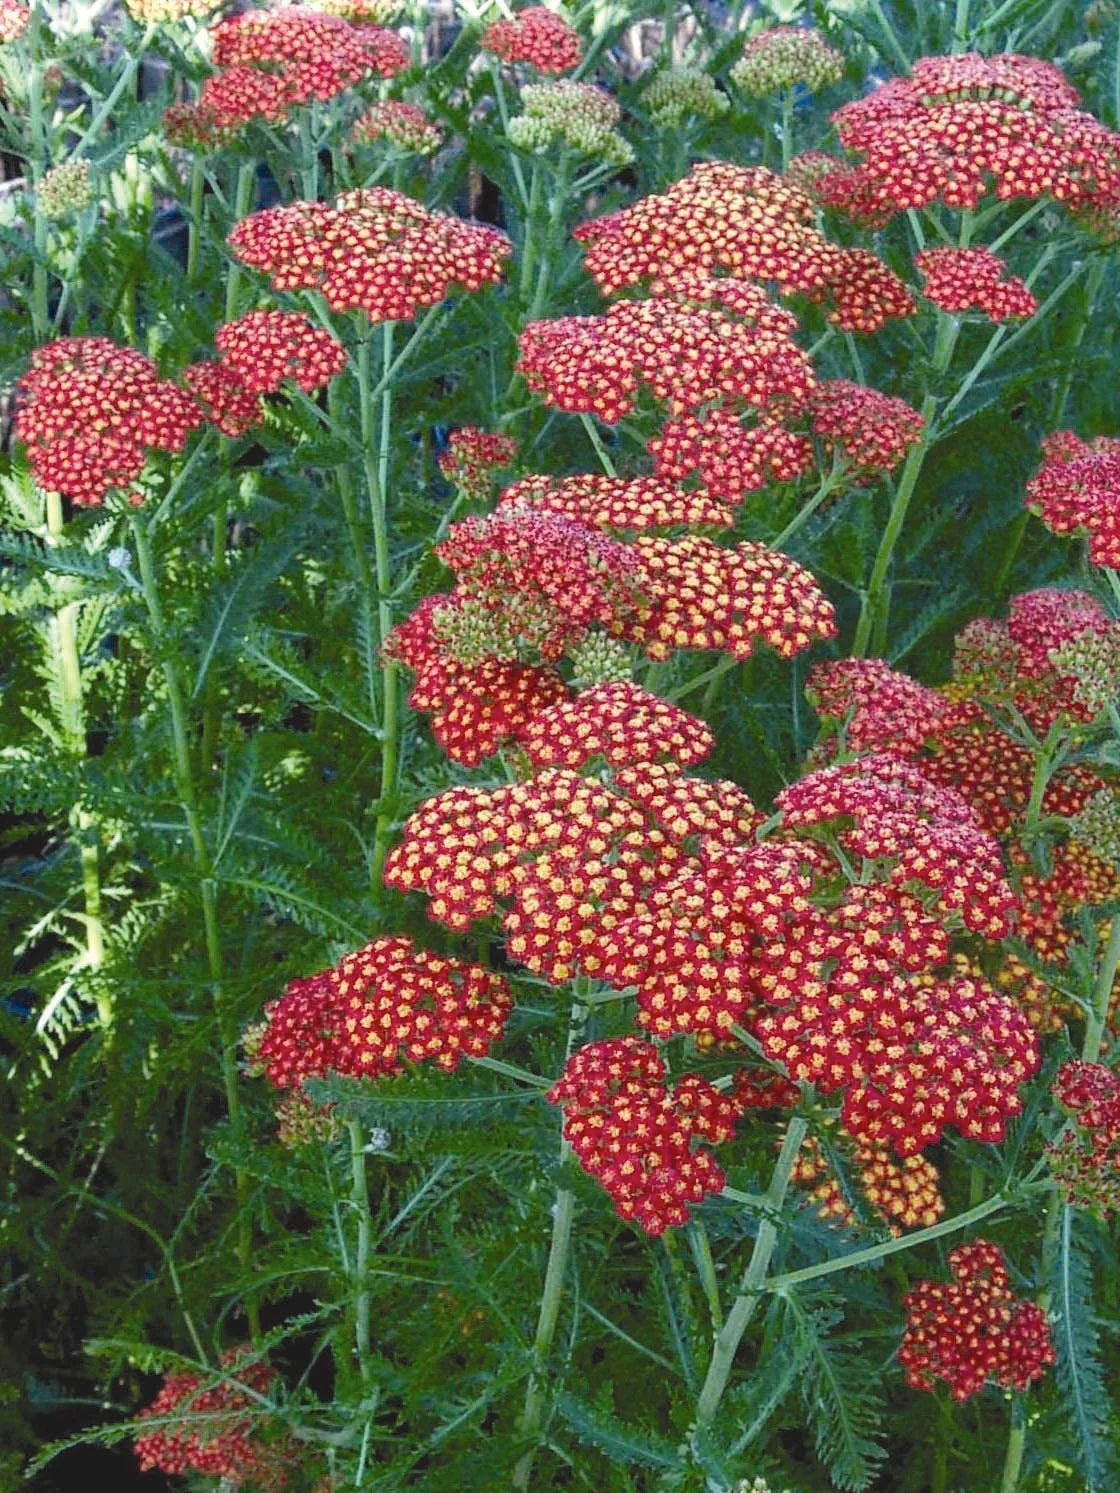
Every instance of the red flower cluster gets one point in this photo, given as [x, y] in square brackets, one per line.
[1085, 1159]
[880, 709]
[703, 596]
[927, 834]
[90, 410]
[903, 1191]
[267, 348]
[274, 61]
[1077, 487]
[967, 279]
[620, 723]
[873, 431]
[974, 1329]
[375, 250]
[730, 458]
[637, 1135]
[537, 36]
[742, 221]
[685, 355]
[556, 576]
[214, 1429]
[690, 810]
[223, 398]
[959, 127]
[14, 20]
[386, 1004]
[622, 503]
[472, 457]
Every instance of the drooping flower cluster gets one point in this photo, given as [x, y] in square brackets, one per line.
[537, 36]
[402, 125]
[872, 431]
[576, 115]
[974, 1329]
[925, 834]
[89, 411]
[1085, 1159]
[214, 1429]
[960, 127]
[880, 709]
[621, 724]
[472, 457]
[387, 1004]
[1077, 488]
[968, 279]
[66, 188]
[903, 1191]
[744, 222]
[374, 250]
[787, 57]
[678, 93]
[638, 1135]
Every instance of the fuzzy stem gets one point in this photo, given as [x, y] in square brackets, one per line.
[731, 1334]
[359, 1198]
[557, 202]
[377, 482]
[73, 727]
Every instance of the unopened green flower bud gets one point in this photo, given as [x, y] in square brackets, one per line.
[681, 93]
[470, 631]
[1092, 660]
[600, 659]
[1097, 825]
[577, 115]
[784, 57]
[65, 189]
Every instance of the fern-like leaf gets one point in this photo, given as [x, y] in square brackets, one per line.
[623, 1443]
[842, 1398]
[1077, 1346]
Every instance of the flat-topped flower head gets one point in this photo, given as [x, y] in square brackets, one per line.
[389, 1003]
[749, 224]
[374, 250]
[89, 411]
[266, 349]
[638, 1135]
[729, 455]
[973, 279]
[787, 57]
[974, 1330]
[65, 189]
[214, 1429]
[402, 125]
[619, 724]
[676, 94]
[871, 431]
[961, 127]
[621, 504]
[728, 600]
[537, 36]
[223, 397]
[1077, 489]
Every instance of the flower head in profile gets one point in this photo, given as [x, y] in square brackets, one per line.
[537, 36]
[402, 125]
[472, 458]
[578, 116]
[871, 431]
[1077, 488]
[787, 57]
[620, 504]
[881, 709]
[974, 1330]
[974, 279]
[374, 250]
[638, 1135]
[619, 724]
[89, 411]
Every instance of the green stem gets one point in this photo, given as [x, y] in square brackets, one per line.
[702, 1253]
[359, 1198]
[40, 319]
[503, 114]
[127, 78]
[73, 730]
[875, 1252]
[601, 451]
[960, 27]
[1102, 996]
[787, 127]
[1016, 1445]
[377, 482]
[828, 486]
[729, 1337]
[194, 218]
[348, 496]
[529, 245]
[557, 203]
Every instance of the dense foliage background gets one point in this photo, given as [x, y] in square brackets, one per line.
[207, 753]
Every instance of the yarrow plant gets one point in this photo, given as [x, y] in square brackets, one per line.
[559, 745]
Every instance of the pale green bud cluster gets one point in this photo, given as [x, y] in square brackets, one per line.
[754, 1485]
[1092, 659]
[65, 189]
[600, 659]
[681, 93]
[1097, 825]
[165, 12]
[577, 115]
[471, 631]
[784, 57]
